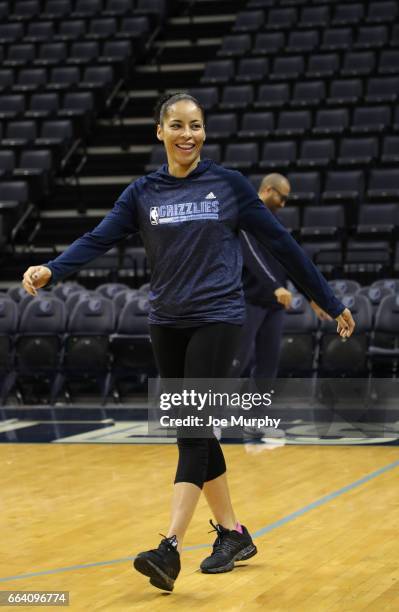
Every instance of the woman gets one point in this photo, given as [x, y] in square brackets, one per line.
[188, 213]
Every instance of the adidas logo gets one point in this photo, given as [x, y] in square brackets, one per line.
[210, 196]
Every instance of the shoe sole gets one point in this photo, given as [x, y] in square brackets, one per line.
[157, 577]
[242, 555]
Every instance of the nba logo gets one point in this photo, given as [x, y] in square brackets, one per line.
[154, 215]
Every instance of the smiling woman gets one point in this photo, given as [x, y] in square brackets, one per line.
[180, 126]
[189, 213]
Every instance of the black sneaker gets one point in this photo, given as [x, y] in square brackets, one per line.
[161, 564]
[229, 546]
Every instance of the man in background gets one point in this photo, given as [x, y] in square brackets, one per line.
[266, 296]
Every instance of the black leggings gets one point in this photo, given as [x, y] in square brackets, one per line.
[196, 352]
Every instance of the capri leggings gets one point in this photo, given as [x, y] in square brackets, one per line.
[196, 352]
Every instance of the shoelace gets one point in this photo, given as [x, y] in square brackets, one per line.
[167, 542]
[220, 540]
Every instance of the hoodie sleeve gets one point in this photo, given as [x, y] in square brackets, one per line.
[257, 264]
[116, 225]
[254, 217]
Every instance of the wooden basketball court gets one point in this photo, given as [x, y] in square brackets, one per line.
[325, 521]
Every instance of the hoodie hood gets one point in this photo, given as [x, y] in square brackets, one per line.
[162, 174]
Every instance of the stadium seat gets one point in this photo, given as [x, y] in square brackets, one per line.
[323, 221]
[343, 287]
[51, 54]
[252, 70]
[236, 97]
[293, 123]
[19, 55]
[382, 89]
[256, 125]
[336, 39]
[287, 68]
[268, 43]
[278, 155]
[109, 290]
[43, 106]
[305, 187]
[30, 80]
[218, 72]
[71, 30]
[345, 91]
[348, 14]
[281, 19]
[117, 8]
[308, 94]
[7, 163]
[357, 152]
[358, 63]
[314, 17]
[390, 150]
[11, 106]
[241, 156]
[40, 339]
[345, 185]
[56, 9]
[249, 21]
[375, 295]
[384, 347]
[316, 153]
[39, 31]
[331, 122]
[102, 29]
[276, 96]
[65, 289]
[221, 127]
[383, 185]
[322, 66]
[370, 120]
[371, 37]
[35, 167]
[235, 46]
[382, 12]
[86, 356]
[302, 42]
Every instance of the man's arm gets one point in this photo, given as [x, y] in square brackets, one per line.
[256, 219]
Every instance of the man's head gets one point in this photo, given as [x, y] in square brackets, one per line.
[274, 191]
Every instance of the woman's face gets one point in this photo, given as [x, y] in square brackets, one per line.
[182, 133]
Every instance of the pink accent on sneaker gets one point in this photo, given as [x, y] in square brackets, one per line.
[238, 527]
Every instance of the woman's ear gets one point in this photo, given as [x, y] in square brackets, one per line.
[159, 132]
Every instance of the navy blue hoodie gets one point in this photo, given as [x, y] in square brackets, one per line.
[189, 227]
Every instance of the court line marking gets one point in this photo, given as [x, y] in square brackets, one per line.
[260, 532]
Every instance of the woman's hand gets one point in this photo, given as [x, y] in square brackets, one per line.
[35, 277]
[346, 324]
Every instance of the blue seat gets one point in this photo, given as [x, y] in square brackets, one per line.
[86, 356]
[131, 350]
[39, 343]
